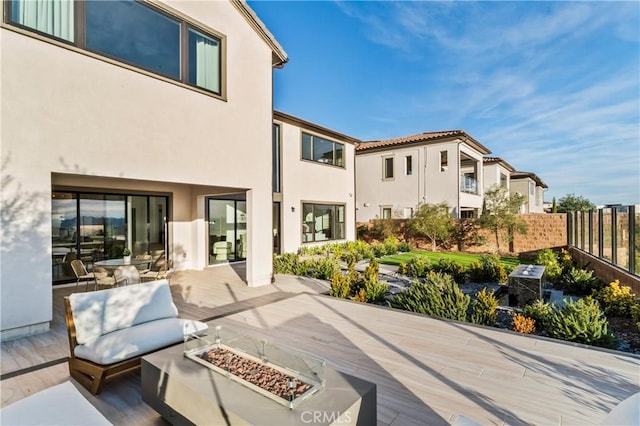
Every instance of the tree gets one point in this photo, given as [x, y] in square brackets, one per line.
[502, 214]
[432, 221]
[574, 203]
[554, 206]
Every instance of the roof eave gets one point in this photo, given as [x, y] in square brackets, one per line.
[279, 57]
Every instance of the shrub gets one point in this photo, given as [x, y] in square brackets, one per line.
[391, 245]
[340, 286]
[403, 269]
[404, 247]
[488, 270]
[538, 311]
[484, 308]
[451, 267]
[360, 296]
[581, 322]
[617, 300]
[635, 314]
[418, 267]
[523, 324]
[375, 291]
[581, 281]
[284, 263]
[301, 267]
[438, 296]
[549, 259]
[323, 268]
[359, 249]
[378, 249]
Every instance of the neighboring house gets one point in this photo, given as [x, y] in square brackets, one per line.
[532, 187]
[393, 176]
[313, 184]
[496, 171]
[139, 124]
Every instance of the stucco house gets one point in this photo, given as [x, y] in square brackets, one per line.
[313, 184]
[394, 175]
[144, 125]
[496, 171]
[532, 187]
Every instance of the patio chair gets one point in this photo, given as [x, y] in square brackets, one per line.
[158, 271]
[102, 278]
[81, 273]
[127, 274]
[144, 267]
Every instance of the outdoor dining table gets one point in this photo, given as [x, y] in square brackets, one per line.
[111, 264]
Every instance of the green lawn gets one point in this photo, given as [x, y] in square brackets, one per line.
[465, 259]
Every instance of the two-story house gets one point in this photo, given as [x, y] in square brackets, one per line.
[313, 184]
[496, 171]
[393, 176]
[138, 124]
[532, 187]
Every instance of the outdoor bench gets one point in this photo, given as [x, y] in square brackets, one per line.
[110, 330]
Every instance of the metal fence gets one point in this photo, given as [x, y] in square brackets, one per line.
[610, 233]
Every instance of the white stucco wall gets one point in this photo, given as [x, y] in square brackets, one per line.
[69, 113]
[307, 181]
[491, 175]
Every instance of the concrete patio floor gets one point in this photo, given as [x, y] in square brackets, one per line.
[427, 371]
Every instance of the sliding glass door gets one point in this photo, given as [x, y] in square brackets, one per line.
[97, 226]
[227, 230]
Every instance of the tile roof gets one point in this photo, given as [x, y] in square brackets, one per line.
[498, 160]
[426, 137]
[522, 175]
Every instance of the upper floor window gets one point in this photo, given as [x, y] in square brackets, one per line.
[387, 164]
[408, 164]
[315, 148]
[129, 31]
[503, 180]
[444, 160]
[532, 188]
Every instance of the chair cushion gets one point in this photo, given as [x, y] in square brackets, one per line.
[58, 405]
[138, 340]
[101, 312]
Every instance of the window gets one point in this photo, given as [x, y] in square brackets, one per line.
[322, 222]
[386, 212]
[387, 172]
[51, 17]
[129, 31]
[503, 180]
[408, 165]
[532, 188]
[444, 160]
[275, 158]
[320, 150]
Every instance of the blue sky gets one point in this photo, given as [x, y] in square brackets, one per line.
[551, 87]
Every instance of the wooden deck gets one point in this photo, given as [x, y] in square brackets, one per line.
[428, 371]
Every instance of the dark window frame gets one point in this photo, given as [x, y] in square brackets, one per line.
[388, 172]
[408, 165]
[313, 153]
[80, 33]
[334, 225]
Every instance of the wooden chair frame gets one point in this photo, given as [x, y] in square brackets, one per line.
[87, 373]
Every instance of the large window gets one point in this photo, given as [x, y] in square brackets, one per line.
[322, 222]
[315, 148]
[97, 226]
[131, 32]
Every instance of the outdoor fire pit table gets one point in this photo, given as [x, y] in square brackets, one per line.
[226, 378]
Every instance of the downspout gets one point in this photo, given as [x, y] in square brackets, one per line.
[458, 177]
